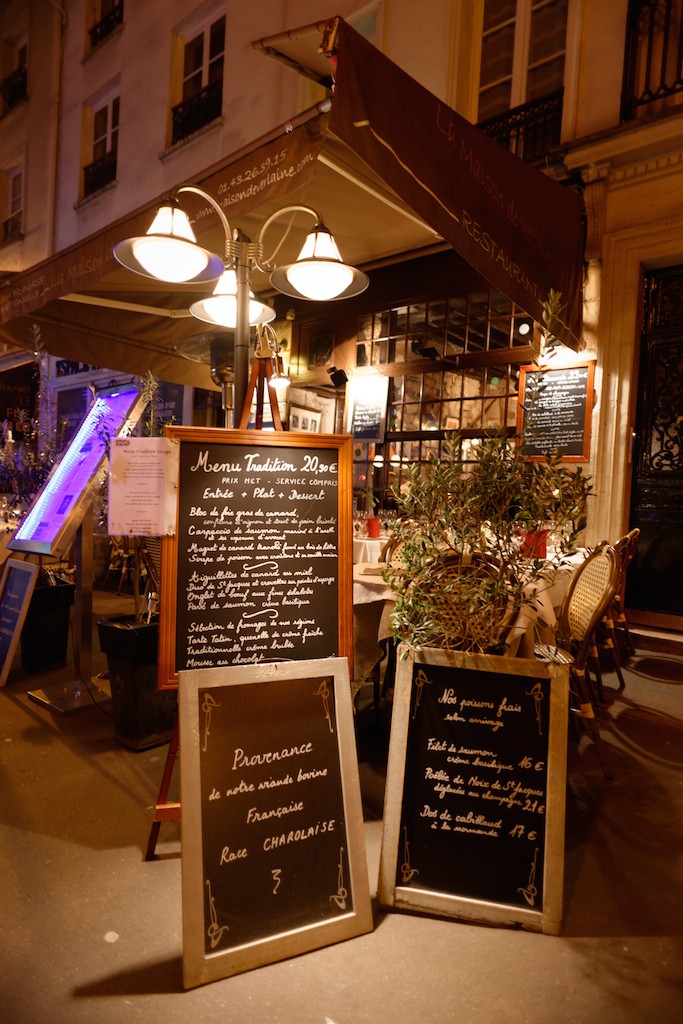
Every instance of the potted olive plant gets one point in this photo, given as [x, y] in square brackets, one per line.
[458, 569]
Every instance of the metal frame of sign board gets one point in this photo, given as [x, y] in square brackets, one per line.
[208, 916]
[59, 508]
[29, 569]
[546, 918]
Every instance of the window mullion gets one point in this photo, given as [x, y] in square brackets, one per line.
[520, 60]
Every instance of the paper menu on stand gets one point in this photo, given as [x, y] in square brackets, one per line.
[143, 486]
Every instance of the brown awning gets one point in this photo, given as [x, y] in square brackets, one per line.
[391, 169]
[519, 228]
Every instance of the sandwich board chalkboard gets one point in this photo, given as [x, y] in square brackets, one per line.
[260, 567]
[474, 806]
[554, 411]
[274, 859]
[16, 588]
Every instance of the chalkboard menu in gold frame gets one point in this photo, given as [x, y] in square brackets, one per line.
[274, 861]
[260, 568]
[554, 411]
[475, 793]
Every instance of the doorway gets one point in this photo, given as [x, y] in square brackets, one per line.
[655, 589]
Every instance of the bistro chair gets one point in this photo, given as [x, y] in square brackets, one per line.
[625, 549]
[588, 597]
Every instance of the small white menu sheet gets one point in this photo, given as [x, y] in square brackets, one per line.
[143, 486]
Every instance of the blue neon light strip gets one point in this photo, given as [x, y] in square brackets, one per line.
[76, 468]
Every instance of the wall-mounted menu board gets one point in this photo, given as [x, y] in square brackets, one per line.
[16, 587]
[554, 411]
[366, 406]
[474, 808]
[260, 568]
[273, 840]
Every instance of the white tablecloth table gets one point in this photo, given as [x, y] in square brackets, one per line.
[539, 614]
[373, 601]
[368, 549]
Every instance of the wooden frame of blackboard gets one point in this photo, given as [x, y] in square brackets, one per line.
[465, 677]
[267, 750]
[12, 615]
[320, 446]
[537, 449]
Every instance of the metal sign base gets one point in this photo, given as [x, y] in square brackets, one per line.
[66, 699]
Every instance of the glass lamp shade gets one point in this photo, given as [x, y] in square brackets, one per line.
[319, 279]
[319, 272]
[279, 382]
[169, 251]
[221, 307]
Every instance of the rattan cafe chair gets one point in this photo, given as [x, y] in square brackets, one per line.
[626, 549]
[588, 597]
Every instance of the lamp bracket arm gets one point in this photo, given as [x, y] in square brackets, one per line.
[225, 223]
[260, 261]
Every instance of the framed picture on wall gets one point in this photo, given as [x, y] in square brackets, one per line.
[320, 348]
[306, 420]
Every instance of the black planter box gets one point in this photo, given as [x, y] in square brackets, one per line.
[143, 715]
[45, 633]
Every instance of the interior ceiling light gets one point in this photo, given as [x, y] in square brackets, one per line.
[220, 308]
[169, 250]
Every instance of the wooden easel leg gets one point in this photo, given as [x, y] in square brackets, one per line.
[163, 810]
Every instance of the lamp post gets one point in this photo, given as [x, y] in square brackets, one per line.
[170, 252]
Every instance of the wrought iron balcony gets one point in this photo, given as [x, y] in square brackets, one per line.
[530, 131]
[13, 88]
[12, 228]
[193, 114]
[99, 173]
[106, 25]
[653, 61]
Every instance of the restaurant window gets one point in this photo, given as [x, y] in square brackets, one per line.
[522, 73]
[201, 87]
[12, 185]
[106, 16]
[101, 170]
[14, 84]
[453, 369]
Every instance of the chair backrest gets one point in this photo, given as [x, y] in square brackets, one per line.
[590, 593]
[625, 548]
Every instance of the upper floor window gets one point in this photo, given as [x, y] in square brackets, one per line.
[108, 15]
[13, 86]
[105, 133]
[653, 79]
[202, 80]
[522, 70]
[13, 205]
[522, 52]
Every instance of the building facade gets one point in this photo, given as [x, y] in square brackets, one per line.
[123, 101]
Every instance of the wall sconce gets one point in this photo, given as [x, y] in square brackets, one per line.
[268, 348]
[338, 377]
[170, 252]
